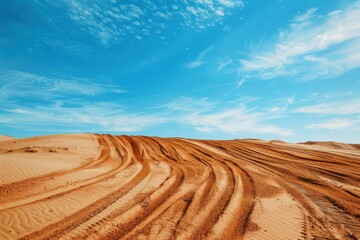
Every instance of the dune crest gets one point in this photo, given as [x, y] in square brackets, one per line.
[121, 187]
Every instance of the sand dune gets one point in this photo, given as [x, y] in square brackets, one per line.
[335, 145]
[120, 187]
[4, 138]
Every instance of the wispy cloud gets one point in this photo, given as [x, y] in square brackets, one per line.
[241, 82]
[347, 107]
[213, 86]
[221, 65]
[112, 21]
[209, 117]
[234, 121]
[313, 46]
[81, 116]
[200, 14]
[282, 105]
[200, 59]
[65, 47]
[15, 84]
[333, 124]
[45, 103]
[231, 3]
[189, 104]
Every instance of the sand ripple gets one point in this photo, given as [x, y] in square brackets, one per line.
[121, 187]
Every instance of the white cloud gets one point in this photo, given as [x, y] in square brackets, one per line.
[348, 107]
[241, 82]
[232, 3]
[282, 105]
[234, 121]
[15, 84]
[200, 14]
[100, 116]
[220, 12]
[195, 64]
[213, 86]
[303, 20]
[111, 22]
[189, 104]
[46, 103]
[224, 64]
[85, 115]
[200, 59]
[64, 47]
[312, 58]
[205, 116]
[290, 100]
[332, 124]
[312, 47]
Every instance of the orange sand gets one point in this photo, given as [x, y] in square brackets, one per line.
[120, 187]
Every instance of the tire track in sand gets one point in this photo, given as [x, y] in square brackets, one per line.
[172, 188]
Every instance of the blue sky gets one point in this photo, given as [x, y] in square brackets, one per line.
[214, 69]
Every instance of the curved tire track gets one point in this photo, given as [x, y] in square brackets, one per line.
[175, 188]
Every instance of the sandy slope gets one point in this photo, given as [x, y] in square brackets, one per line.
[4, 138]
[120, 187]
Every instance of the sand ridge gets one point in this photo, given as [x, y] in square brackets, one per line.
[121, 187]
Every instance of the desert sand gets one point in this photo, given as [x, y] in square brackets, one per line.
[3, 138]
[119, 187]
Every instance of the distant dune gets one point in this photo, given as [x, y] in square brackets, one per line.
[3, 138]
[335, 145]
[120, 187]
